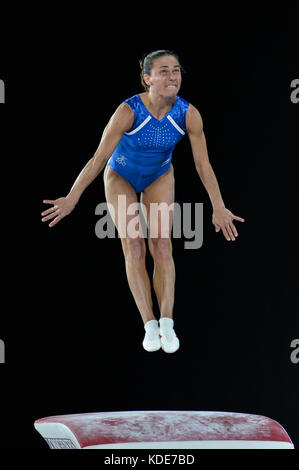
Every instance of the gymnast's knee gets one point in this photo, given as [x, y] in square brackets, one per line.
[134, 250]
[160, 249]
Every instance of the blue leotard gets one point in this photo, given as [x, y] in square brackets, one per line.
[144, 152]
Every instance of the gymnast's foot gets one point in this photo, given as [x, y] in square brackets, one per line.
[151, 340]
[169, 340]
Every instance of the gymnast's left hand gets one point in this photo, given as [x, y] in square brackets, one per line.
[223, 220]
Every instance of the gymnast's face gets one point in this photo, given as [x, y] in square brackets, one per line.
[165, 78]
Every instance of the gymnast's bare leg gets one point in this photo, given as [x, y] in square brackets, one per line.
[134, 249]
[159, 240]
[161, 192]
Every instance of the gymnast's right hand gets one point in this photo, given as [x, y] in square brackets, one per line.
[61, 207]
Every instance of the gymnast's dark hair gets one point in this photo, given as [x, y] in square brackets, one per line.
[147, 61]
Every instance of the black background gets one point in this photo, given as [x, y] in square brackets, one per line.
[72, 332]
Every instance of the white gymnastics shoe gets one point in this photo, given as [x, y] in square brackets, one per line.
[169, 340]
[151, 340]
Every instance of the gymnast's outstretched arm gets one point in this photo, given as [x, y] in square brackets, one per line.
[120, 122]
[222, 217]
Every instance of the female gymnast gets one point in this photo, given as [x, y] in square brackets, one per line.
[136, 150]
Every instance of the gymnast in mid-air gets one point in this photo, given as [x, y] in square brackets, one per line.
[136, 151]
